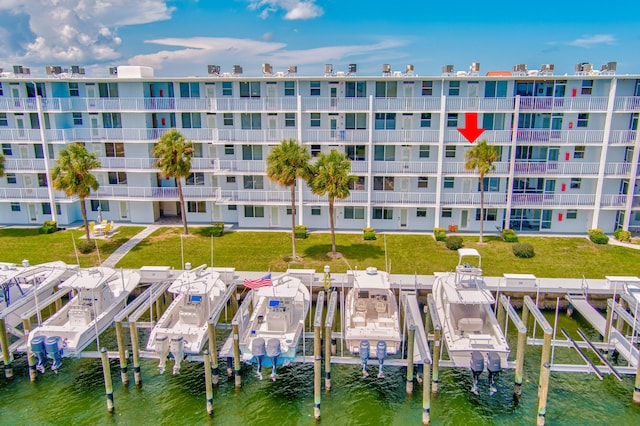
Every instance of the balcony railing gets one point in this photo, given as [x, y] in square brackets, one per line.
[543, 200]
[397, 197]
[335, 104]
[355, 197]
[335, 136]
[492, 136]
[23, 164]
[549, 136]
[27, 194]
[422, 104]
[256, 136]
[613, 200]
[573, 168]
[256, 196]
[402, 167]
[627, 103]
[502, 167]
[580, 103]
[622, 137]
[190, 192]
[617, 169]
[498, 199]
[252, 166]
[480, 104]
[405, 136]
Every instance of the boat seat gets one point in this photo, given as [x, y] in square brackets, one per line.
[359, 320]
[470, 325]
[277, 321]
[385, 322]
[381, 307]
[361, 305]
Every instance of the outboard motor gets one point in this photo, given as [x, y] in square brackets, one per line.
[162, 349]
[364, 356]
[381, 353]
[273, 352]
[493, 367]
[53, 345]
[38, 349]
[477, 365]
[258, 350]
[177, 350]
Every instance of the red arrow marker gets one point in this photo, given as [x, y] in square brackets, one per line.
[471, 131]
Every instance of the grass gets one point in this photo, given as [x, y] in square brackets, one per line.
[407, 254]
[17, 244]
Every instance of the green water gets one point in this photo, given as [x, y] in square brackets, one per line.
[76, 395]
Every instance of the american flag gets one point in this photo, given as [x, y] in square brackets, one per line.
[260, 282]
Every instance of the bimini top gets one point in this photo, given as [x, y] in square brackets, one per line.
[284, 286]
[472, 291]
[197, 281]
[469, 252]
[371, 278]
[89, 279]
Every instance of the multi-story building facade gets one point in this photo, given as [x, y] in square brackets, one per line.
[568, 147]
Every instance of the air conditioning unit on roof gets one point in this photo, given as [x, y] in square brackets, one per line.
[474, 68]
[76, 69]
[237, 70]
[328, 69]
[113, 70]
[409, 69]
[352, 68]
[520, 68]
[213, 69]
[292, 69]
[266, 69]
[53, 69]
[447, 69]
[386, 69]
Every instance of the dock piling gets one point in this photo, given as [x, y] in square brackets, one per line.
[137, 375]
[211, 328]
[426, 395]
[106, 369]
[121, 354]
[207, 381]
[410, 346]
[329, 341]
[31, 359]
[236, 355]
[6, 354]
[317, 356]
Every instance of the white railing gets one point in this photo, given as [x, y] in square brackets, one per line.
[573, 168]
[17, 135]
[406, 136]
[124, 134]
[473, 199]
[355, 197]
[253, 166]
[580, 103]
[549, 136]
[190, 192]
[622, 137]
[254, 104]
[400, 167]
[335, 136]
[257, 136]
[126, 163]
[396, 197]
[627, 103]
[455, 103]
[23, 164]
[20, 194]
[17, 104]
[359, 167]
[502, 167]
[259, 196]
[335, 104]
[491, 136]
[422, 104]
[613, 200]
[542, 200]
[617, 169]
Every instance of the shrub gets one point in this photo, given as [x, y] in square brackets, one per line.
[595, 231]
[599, 238]
[217, 229]
[439, 234]
[369, 233]
[86, 247]
[523, 250]
[453, 242]
[622, 235]
[509, 235]
[301, 232]
[48, 227]
[616, 233]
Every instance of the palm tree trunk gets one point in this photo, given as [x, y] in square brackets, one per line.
[182, 210]
[481, 207]
[332, 226]
[293, 221]
[83, 211]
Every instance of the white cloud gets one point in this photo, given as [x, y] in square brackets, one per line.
[295, 9]
[67, 31]
[589, 41]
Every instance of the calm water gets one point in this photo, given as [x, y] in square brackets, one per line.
[76, 396]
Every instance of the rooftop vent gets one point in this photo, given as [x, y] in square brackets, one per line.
[352, 68]
[474, 69]
[409, 69]
[386, 69]
[213, 70]
[447, 70]
[237, 70]
[267, 69]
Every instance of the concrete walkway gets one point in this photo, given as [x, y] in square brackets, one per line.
[121, 251]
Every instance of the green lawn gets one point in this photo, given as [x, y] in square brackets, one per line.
[407, 254]
[17, 244]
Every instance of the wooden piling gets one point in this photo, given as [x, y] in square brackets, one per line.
[426, 395]
[211, 328]
[327, 358]
[6, 355]
[437, 350]
[207, 381]
[545, 372]
[520, 349]
[106, 369]
[636, 389]
[317, 370]
[236, 355]
[31, 358]
[410, 346]
[607, 327]
[124, 375]
[137, 375]
[500, 314]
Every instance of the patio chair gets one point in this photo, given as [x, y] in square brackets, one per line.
[92, 224]
[107, 229]
[104, 222]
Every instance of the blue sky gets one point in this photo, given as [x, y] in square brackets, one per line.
[179, 38]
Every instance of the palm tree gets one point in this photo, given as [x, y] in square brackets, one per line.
[72, 174]
[174, 155]
[331, 177]
[481, 158]
[285, 164]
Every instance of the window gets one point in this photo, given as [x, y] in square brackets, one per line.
[11, 178]
[490, 215]
[355, 152]
[6, 149]
[491, 121]
[423, 182]
[231, 179]
[191, 120]
[251, 152]
[42, 180]
[633, 121]
[386, 89]
[251, 121]
[229, 150]
[108, 90]
[450, 151]
[384, 153]
[356, 121]
[490, 184]
[448, 182]
[249, 89]
[421, 212]
[253, 182]
[190, 90]
[77, 118]
[38, 152]
[196, 207]
[383, 183]
[454, 88]
[315, 211]
[452, 119]
[227, 119]
[583, 120]
[315, 119]
[424, 152]
[314, 88]
[587, 87]
[74, 90]
[425, 119]
[104, 205]
[15, 207]
[572, 214]
[289, 88]
[382, 213]
[1, 90]
[578, 151]
[288, 212]
[354, 212]
[427, 88]
[357, 185]
[4, 122]
[315, 150]
[111, 120]
[290, 119]
[356, 89]
[232, 207]
[114, 149]
[227, 88]
[46, 208]
[447, 212]
[495, 89]
[195, 178]
[385, 121]
[575, 183]
[117, 178]
[253, 211]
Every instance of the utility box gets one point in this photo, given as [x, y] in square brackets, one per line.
[154, 273]
[520, 280]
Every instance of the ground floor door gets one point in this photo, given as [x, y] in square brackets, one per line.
[464, 219]
[124, 210]
[404, 216]
[275, 217]
[33, 216]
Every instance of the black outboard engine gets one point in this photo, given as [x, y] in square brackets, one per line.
[477, 365]
[38, 349]
[493, 367]
[273, 351]
[381, 353]
[258, 350]
[364, 356]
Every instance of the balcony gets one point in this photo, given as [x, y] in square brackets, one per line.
[403, 198]
[492, 136]
[317, 104]
[614, 200]
[569, 104]
[622, 137]
[553, 200]
[359, 166]
[405, 136]
[190, 193]
[256, 136]
[472, 199]
[549, 136]
[421, 104]
[249, 166]
[457, 168]
[17, 104]
[455, 103]
[355, 197]
[334, 136]
[27, 194]
[627, 104]
[289, 103]
[117, 135]
[573, 168]
[405, 167]
[23, 164]
[256, 196]
[617, 169]
[18, 135]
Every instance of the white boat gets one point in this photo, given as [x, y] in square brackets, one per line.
[271, 335]
[469, 327]
[372, 325]
[183, 328]
[98, 295]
